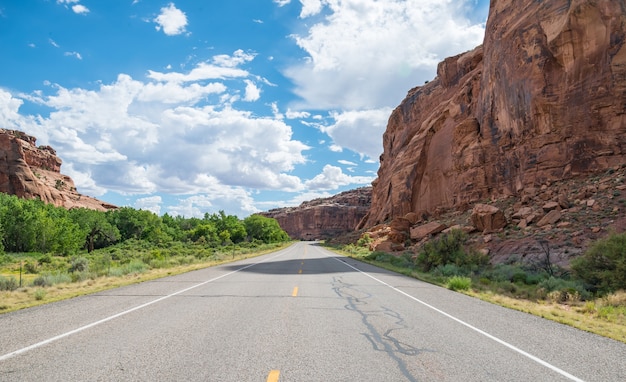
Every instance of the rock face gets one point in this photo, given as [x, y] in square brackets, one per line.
[544, 98]
[28, 171]
[324, 218]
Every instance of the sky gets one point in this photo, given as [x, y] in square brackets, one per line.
[188, 107]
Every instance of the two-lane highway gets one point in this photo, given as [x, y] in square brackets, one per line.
[300, 314]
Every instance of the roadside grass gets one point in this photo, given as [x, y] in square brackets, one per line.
[605, 316]
[77, 283]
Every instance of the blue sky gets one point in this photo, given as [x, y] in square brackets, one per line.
[187, 107]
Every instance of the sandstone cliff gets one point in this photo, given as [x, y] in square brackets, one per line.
[543, 99]
[324, 218]
[28, 171]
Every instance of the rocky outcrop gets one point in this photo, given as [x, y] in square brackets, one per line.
[324, 218]
[30, 172]
[543, 99]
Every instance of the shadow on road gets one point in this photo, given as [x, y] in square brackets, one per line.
[309, 266]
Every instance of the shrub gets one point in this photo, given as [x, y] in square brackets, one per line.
[79, 264]
[603, 266]
[39, 294]
[8, 283]
[563, 290]
[449, 249]
[50, 279]
[30, 267]
[459, 283]
[449, 270]
[134, 266]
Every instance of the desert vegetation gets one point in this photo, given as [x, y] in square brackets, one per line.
[45, 249]
[590, 295]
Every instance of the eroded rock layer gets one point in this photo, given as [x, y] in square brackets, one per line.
[326, 217]
[30, 172]
[544, 98]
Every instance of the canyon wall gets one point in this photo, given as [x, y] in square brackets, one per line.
[324, 218]
[544, 98]
[30, 172]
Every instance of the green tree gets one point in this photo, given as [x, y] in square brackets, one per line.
[206, 232]
[265, 229]
[229, 223]
[139, 225]
[96, 229]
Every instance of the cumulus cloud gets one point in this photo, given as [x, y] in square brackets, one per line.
[253, 93]
[150, 203]
[332, 177]
[171, 20]
[359, 131]
[168, 133]
[367, 54]
[80, 9]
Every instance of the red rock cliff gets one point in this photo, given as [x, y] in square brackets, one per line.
[28, 171]
[324, 218]
[543, 98]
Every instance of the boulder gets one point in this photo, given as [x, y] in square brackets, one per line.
[420, 232]
[550, 218]
[487, 218]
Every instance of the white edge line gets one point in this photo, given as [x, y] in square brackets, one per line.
[96, 323]
[502, 342]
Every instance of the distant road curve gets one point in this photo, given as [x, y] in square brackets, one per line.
[299, 314]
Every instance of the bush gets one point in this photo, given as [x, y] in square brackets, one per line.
[459, 283]
[50, 279]
[79, 264]
[39, 294]
[449, 270]
[563, 290]
[8, 283]
[449, 249]
[134, 266]
[603, 266]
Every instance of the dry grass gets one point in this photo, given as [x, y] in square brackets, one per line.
[587, 316]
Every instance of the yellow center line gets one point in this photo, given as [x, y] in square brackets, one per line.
[295, 292]
[273, 376]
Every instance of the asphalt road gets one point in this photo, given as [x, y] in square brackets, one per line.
[300, 314]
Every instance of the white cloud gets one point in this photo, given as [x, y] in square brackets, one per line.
[297, 114]
[80, 9]
[367, 54]
[253, 93]
[332, 178]
[346, 162]
[74, 54]
[150, 203]
[239, 57]
[234, 200]
[168, 134]
[53, 43]
[359, 131]
[282, 3]
[172, 20]
[311, 7]
[201, 72]
[335, 148]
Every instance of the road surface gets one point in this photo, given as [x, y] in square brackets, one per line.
[300, 314]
